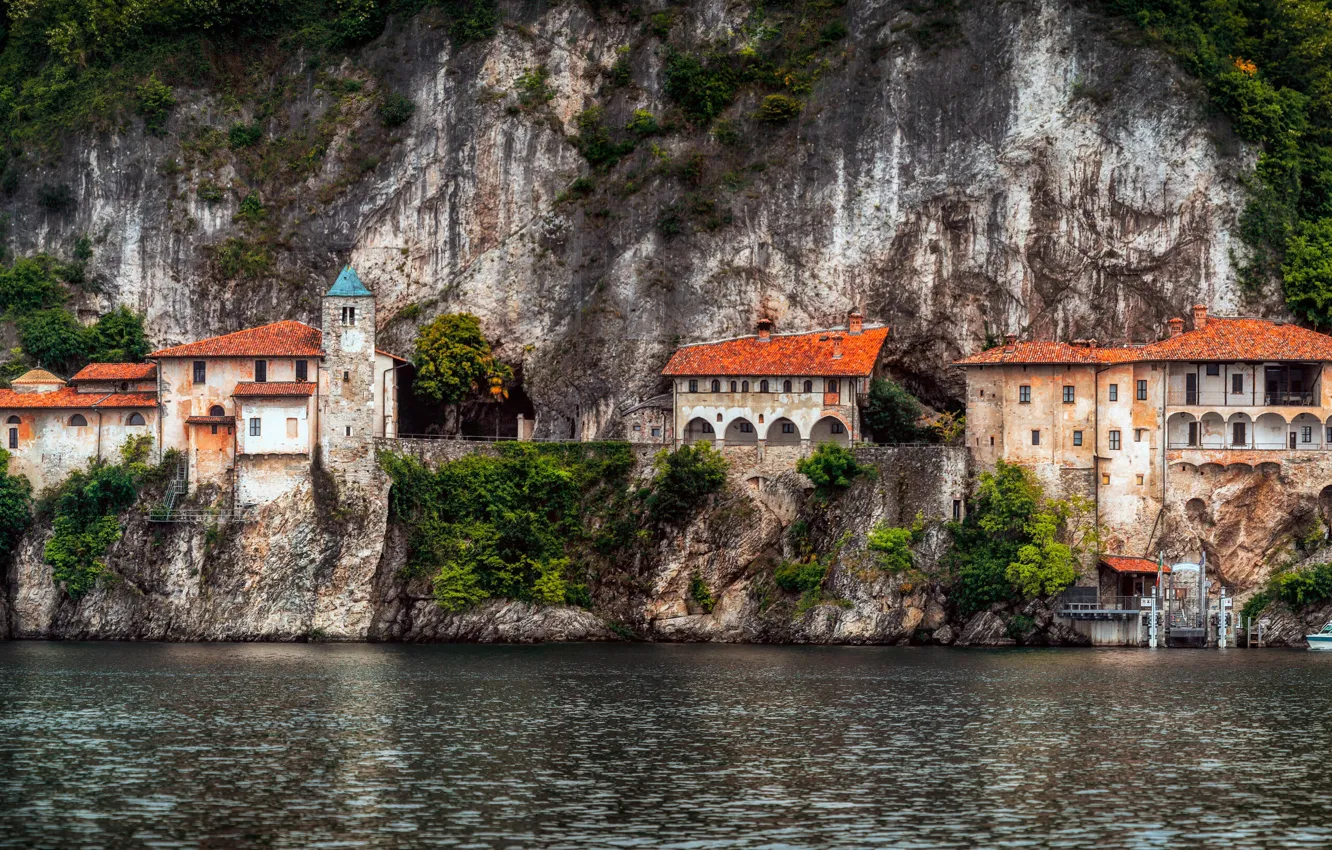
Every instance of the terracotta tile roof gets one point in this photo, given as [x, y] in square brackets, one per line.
[390, 354]
[37, 376]
[68, 397]
[210, 420]
[1244, 339]
[1127, 564]
[127, 400]
[806, 354]
[1221, 339]
[116, 372]
[1034, 352]
[273, 388]
[280, 339]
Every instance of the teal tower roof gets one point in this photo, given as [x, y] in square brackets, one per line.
[348, 284]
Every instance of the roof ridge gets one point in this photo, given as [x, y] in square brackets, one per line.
[781, 335]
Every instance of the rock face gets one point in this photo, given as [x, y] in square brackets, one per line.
[1033, 169]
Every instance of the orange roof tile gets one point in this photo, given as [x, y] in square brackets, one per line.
[1127, 564]
[116, 372]
[280, 339]
[273, 388]
[37, 376]
[390, 354]
[68, 397]
[784, 354]
[1221, 339]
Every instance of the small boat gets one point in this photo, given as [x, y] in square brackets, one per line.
[1322, 640]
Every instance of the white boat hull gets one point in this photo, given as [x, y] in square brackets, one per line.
[1319, 642]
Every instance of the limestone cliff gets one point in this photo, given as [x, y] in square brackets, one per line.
[1003, 167]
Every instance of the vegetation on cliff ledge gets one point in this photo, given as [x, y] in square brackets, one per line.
[1297, 588]
[1268, 67]
[1014, 543]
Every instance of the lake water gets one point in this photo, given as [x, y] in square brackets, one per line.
[660, 746]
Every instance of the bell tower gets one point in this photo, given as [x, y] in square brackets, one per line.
[347, 404]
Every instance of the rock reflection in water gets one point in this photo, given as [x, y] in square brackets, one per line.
[659, 746]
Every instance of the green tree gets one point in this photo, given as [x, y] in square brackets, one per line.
[156, 101]
[54, 339]
[31, 284]
[118, 337]
[830, 469]
[1308, 271]
[683, 479]
[892, 548]
[453, 360]
[15, 507]
[891, 413]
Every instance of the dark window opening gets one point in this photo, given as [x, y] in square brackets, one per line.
[302, 370]
[200, 371]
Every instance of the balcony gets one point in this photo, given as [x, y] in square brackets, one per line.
[1203, 398]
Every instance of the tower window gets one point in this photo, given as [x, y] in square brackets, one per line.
[348, 316]
[200, 371]
[957, 510]
[348, 430]
[346, 376]
[302, 370]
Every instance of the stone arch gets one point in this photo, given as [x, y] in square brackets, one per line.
[1269, 431]
[1268, 469]
[1211, 469]
[740, 431]
[1239, 431]
[78, 421]
[1196, 510]
[1183, 468]
[830, 429]
[699, 430]
[778, 435]
[1213, 430]
[1314, 431]
[217, 410]
[135, 418]
[1239, 467]
[1178, 432]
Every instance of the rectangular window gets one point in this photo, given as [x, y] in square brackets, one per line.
[788, 427]
[302, 370]
[260, 371]
[1142, 390]
[957, 510]
[348, 431]
[1114, 392]
[1236, 384]
[200, 371]
[656, 432]
[693, 385]
[13, 438]
[837, 428]
[1068, 395]
[746, 428]
[254, 426]
[1105, 478]
[1137, 434]
[1239, 434]
[992, 440]
[1077, 438]
[1114, 441]
[1306, 434]
[1193, 433]
[1213, 369]
[1024, 394]
[348, 316]
[1035, 438]
[638, 427]
[1140, 479]
[291, 428]
[1329, 436]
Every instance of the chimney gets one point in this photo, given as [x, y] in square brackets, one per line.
[1177, 326]
[1010, 342]
[764, 330]
[855, 322]
[1199, 316]
[837, 346]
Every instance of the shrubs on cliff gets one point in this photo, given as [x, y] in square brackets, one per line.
[1297, 588]
[1015, 543]
[830, 469]
[683, 479]
[519, 525]
[1265, 65]
[15, 507]
[84, 515]
[891, 413]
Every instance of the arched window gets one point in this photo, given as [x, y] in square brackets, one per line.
[832, 388]
[135, 418]
[13, 420]
[809, 386]
[732, 386]
[78, 421]
[716, 386]
[763, 386]
[216, 410]
[786, 386]
[744, 386]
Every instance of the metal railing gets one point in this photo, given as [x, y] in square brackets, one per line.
[1252, 445]
[1220, 398]
[1075, 605]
